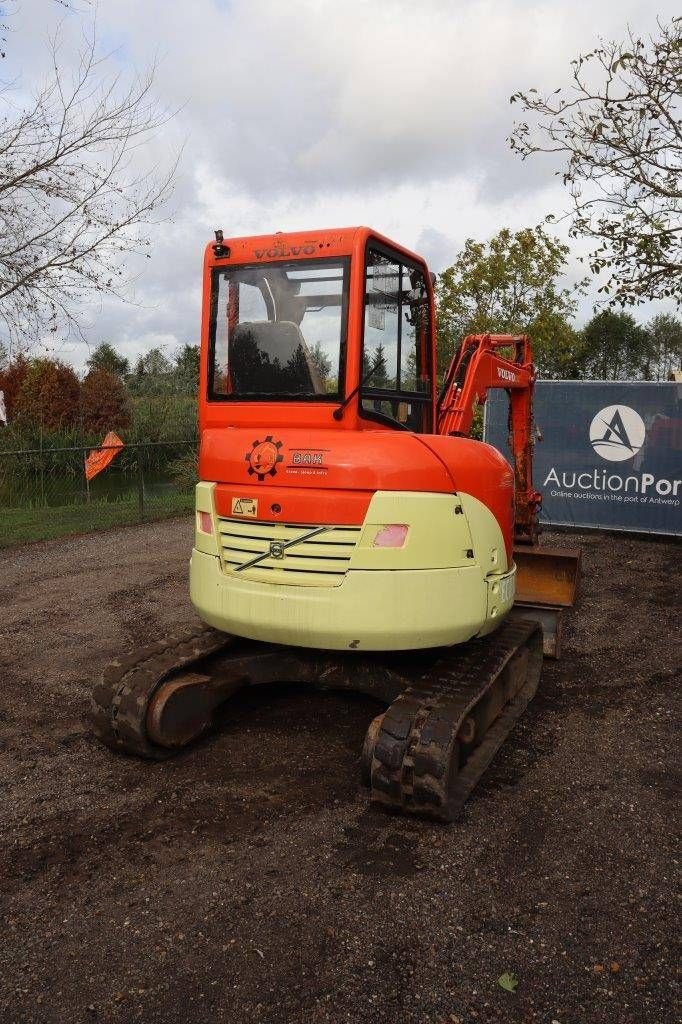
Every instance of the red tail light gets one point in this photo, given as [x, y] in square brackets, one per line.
[205, 522]
[393, 536]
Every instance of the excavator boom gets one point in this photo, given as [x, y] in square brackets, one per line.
[484, 362]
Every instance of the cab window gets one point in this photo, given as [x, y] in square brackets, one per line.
[396, 355]
[278, 330]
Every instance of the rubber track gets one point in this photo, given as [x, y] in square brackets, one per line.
[121, 696]
[415, 763]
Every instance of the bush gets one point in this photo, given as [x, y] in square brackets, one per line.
[49, 396]
[104, 403]
[184, 471]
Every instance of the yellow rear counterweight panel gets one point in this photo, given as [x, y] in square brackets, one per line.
[447, 583]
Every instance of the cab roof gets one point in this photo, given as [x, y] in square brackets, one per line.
[281, 245]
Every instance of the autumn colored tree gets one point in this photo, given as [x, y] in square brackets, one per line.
[49, 396]
[11, 378]
[104, 402]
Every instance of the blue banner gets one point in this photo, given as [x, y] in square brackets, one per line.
[610, 454]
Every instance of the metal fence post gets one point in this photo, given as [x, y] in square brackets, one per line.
[85, 474]
[42, 463]
[140, 483]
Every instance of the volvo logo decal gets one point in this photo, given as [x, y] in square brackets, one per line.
[276, 549]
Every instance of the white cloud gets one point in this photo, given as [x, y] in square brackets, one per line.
[312, 113]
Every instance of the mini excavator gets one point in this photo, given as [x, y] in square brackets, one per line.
[349, 532]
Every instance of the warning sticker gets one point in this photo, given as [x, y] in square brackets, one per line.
[245, 507]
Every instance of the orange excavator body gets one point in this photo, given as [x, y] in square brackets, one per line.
[440, 457]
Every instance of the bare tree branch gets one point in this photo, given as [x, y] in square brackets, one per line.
[71, 206]
[622, 139]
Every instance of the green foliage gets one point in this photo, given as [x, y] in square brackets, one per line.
[155, 375]
[321, 361]
[163, 418]
[614, 347]
[665, 339]
[105, 357]
[510, 285]
[375, 370]
[152, 374]
[476, 430]
[617, 130]
[186, 371]
[184, 471]
[508, 981]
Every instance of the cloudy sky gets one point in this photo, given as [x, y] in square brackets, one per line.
[297, 114]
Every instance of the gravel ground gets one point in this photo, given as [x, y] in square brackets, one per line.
[249, 880]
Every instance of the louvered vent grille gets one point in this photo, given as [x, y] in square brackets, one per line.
[319, 561]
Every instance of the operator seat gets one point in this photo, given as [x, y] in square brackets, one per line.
[272, 357]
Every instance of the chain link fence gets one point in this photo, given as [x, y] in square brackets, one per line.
[44, 492]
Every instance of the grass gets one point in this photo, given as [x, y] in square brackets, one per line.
[20, 525]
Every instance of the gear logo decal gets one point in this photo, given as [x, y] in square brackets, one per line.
[617, 433]
[264, 457]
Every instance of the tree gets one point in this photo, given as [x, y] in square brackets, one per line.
[510, 285]
[152, 374]
[665, 334]
[186, 370]
[49, 396]
[104, 403]
[375, 369]
[615, 347]
[105, 357]
[71, 205]
[620, 133]
[11, 379]
[321, 361]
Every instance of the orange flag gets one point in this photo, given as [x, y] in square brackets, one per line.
[99, 458]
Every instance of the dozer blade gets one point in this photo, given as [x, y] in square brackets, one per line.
[547, 575]
[546, 583]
